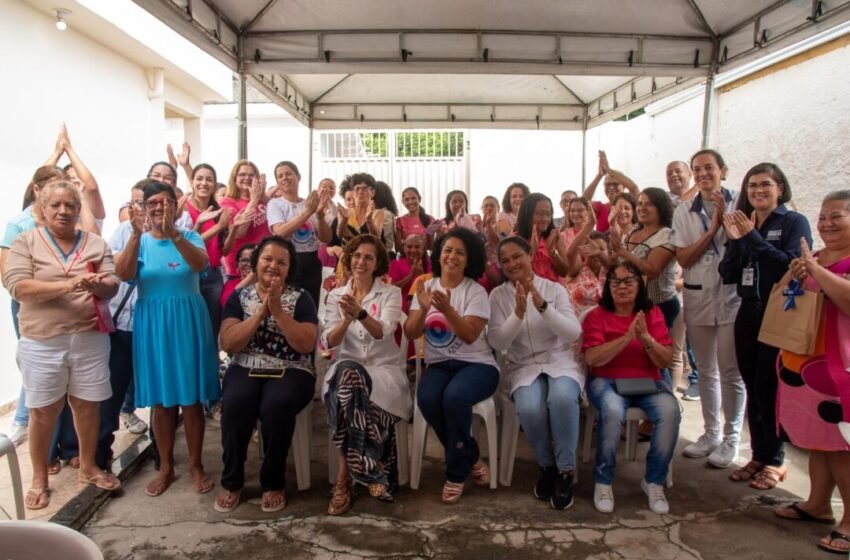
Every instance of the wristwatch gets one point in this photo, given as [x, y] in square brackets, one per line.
[543, 307]
[362, 314]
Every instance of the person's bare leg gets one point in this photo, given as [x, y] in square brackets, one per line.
[164, 422]
[342, 475]
[41, 426]
[194, 423]
[86, 423]
[821, 485]
[839, 466]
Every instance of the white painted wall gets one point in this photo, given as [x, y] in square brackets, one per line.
[798, 118]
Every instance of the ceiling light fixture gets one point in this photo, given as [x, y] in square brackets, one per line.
[61, 14]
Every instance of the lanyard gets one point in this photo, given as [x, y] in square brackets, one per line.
[704, 223]
[75, 250]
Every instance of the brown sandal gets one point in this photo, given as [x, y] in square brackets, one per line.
[54, 468]
[341, 498]
[747, 472]
[37, 498]
[452, 491]
[769, 477]
[480, 474]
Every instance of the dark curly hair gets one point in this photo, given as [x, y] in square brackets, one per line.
[382, 264]
[363, 178]
[662, 202]
[506, 199]
[384, 198]
[476, 259]
[280, 242]
[525, 217]
[642, 301]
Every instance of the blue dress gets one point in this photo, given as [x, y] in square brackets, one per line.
[174, 351]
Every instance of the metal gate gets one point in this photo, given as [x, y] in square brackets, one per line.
[433, 161]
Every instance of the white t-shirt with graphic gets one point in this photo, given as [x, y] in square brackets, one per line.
[469, 299]
[304, 238]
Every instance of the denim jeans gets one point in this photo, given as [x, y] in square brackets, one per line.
[446, 394]
[548, 410]
[663, 411]
[22, 413]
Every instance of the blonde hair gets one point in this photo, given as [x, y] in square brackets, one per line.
[232, 191]
[47, 190]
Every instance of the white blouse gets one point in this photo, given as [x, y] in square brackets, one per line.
[538, 343]
[382, 357]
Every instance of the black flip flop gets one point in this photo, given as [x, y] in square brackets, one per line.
[803, 515]
[835, 535]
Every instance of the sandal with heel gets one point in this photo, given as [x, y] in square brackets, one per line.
[769, 477]
[452, 491]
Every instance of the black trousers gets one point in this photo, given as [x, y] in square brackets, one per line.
[275, 402]
[120, 375]
[757, 363]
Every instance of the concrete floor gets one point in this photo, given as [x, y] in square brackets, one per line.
[711, 517]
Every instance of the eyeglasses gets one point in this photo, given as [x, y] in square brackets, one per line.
[765, 185]
[246, 260]
[151, 204]
[628, 281]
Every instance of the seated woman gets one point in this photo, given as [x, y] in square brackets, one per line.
[416, 219]
[60, 276]
[451, 309]
[545, 379]
[365, 388]
[626, 344]
[534, 224]
[511, 202]
[270, 328]
[457, 215]
[587, 255]
[405, 270]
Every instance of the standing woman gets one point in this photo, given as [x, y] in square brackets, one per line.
[451, 310]
[365, 389]
[764, 237]
[174, 352]
[457, 215]
[544, 377]
[534, 224]
[270, 327]
[246, 198]
[416, 220]
[302, 221]
[511, 201]
[55, 272]
[211, 221]
[814, 391]
[648, 247]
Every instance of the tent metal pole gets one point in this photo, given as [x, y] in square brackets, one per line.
[708, 111]
[242, 118]
[584, 150]
[310, 161]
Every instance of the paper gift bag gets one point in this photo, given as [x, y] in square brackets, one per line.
[792, 317]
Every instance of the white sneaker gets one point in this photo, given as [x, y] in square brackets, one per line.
[701, 447]
[603, 498]
[657, 499]
[724, 455]
[18, 433]
[133, 423]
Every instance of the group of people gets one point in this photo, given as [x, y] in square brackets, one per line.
[607, 301]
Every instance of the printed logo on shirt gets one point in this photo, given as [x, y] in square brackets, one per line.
[438, 333]
[774, 235]
[173, 265]
[304, 234]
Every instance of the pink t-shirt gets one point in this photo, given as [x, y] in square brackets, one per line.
[409, 225]
[602, 210]
[601, 326]
[399, 269]
[541, 261]
[257, 231]
[212, 244]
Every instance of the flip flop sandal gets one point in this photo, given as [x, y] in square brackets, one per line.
[452, 491]
[231, 501]
[480, 474]
[54, 468]
[34, 495]
[161, 486]
[74, 462]
[803, 515]
[277, 507]
[205, 486]
[104, 481]
[836, 536]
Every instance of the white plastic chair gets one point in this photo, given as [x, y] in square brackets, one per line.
[300, 446]
[485, 410]
[401, 437]
[37, 539]
[634, 416]
[7, 448]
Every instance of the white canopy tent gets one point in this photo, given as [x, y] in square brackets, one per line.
[545, 64]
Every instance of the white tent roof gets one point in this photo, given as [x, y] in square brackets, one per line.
[567, 64]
